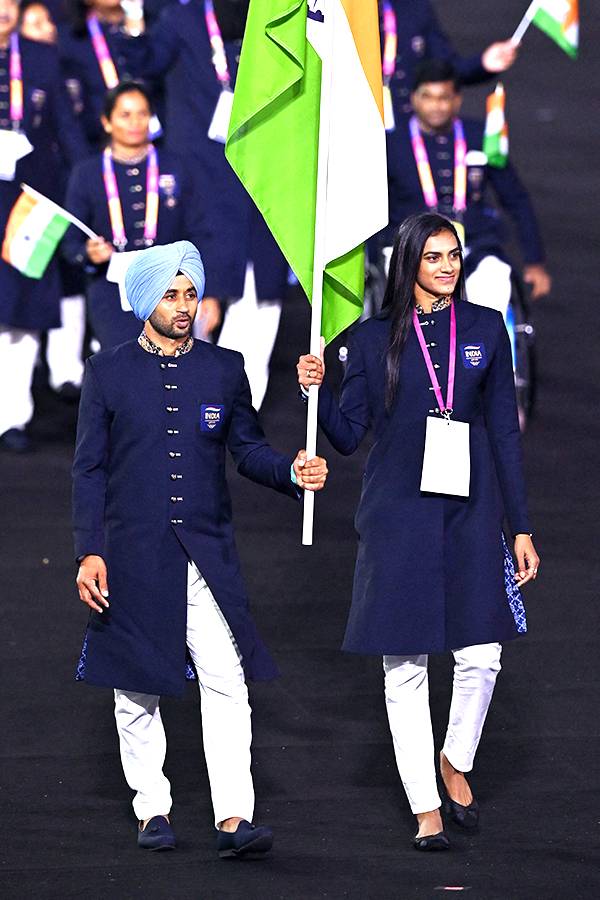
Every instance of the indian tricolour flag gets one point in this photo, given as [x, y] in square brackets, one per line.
[495, 137]
[312, 155]
[559, 19]
[33, 231]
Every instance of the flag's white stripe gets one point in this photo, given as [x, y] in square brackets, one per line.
[558, 9]
[494, 121]
[28, 234]
[357, 205]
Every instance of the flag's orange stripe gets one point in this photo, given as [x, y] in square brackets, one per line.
[363, 19]
[19, 213]
[495, 101]
[572, 16]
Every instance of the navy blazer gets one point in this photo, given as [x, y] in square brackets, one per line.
[179, 47]
[430, 572]
[150, 492]
[421, 36]
[181, 216]
[82, 74]
[484, 226]
[57, 141]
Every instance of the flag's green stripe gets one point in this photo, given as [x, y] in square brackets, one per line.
[273, 147]
[552, 28]
[45, 247]
[491, 148]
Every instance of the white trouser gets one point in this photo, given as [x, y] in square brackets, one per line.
[250, 326]
[407, 701]
[65, 344]
[18, 354]
[490, 285]
[225, 719]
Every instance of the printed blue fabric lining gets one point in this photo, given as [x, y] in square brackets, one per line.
[190, 672]
[512, 591]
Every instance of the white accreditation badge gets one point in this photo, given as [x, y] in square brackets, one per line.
[220, 120]
[388, 109]
[14, 145]
[446, 460]
[117, 268]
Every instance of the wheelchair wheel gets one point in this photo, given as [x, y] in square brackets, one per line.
[522, 336]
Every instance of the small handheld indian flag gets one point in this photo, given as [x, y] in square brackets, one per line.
[495, 137]
[559, 19]
[33, 231]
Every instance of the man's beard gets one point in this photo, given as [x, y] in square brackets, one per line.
[166, 328]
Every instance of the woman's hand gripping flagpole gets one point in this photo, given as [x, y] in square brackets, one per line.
[319, 258]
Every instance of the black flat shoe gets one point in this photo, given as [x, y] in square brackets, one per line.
[437, 841]
[463, 816]
[247, 839]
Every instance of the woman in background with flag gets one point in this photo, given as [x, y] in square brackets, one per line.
[35, 119]
[132, 196]
[433, 572]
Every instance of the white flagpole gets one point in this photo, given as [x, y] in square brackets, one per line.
[319, 256]
[63, 212]
[525, 22]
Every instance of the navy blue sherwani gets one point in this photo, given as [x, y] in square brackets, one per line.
[150, 493]
[430, 572]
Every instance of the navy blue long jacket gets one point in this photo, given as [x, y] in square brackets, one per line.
[484, 226]
[51, 128]
[429, 573]
[150, 492]
[181, 216]
[180, 47]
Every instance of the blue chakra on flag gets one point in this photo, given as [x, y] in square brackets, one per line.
[315, 10]
[211, 417]
[473, 356]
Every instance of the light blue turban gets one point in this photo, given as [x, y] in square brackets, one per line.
[152, 271]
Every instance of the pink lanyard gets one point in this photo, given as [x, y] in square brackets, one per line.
[445, 409]
[109, 73]
[424, 169]
[391, 41]
[219, 57]
[114, 201]
[16, 83]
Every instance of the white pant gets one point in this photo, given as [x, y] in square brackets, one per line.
[65, 344]
[490, 285]
[250, 326]
[18, 354]
[407, 701]
[225, 719]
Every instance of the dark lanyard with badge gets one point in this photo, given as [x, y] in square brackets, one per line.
[446, 459]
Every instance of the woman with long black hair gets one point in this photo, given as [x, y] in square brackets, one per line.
[432, 375]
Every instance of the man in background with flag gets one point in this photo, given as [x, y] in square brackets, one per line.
[437, 161]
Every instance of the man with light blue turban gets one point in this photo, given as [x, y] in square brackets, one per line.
[152, 521]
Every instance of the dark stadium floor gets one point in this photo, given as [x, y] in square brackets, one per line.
[323, 762]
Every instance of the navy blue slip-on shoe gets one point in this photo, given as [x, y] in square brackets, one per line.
[157, 835]
[246, 839]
